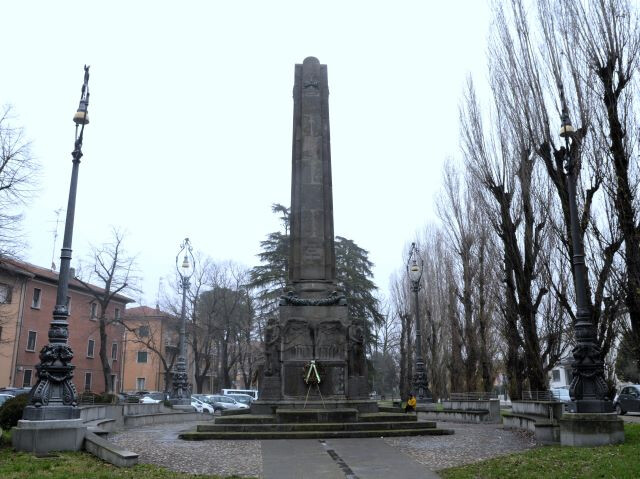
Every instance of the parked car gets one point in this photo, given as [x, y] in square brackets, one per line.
[202, 406]
[560, 394]
[628, 400]
[5, 397]
[153, 398]
[242, 398]
[220, 402]
[251, 392]
[15, 391]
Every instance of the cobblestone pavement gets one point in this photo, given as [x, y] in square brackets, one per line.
[470, 443]
[160, 445]
[631, 417]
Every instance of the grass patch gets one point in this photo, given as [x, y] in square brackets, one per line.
[79, 465]
[611, 462]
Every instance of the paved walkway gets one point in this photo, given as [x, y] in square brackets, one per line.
[338, 459]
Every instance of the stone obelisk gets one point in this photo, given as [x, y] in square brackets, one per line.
[313, 324]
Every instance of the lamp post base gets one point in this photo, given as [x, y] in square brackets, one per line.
[590, 406]
[45, 413]
[49, 435]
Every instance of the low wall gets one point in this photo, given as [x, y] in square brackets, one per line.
[549, 409]
[490, 405]
[455, 416]
[164, 418]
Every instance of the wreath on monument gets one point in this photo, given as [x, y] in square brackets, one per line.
[311, 373]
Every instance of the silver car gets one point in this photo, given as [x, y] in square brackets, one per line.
[220, 402]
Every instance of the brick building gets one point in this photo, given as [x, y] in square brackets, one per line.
[151, 350]
[27, 300]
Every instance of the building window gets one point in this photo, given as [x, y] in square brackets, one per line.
[0, 333]
[94, 310]
[114, 382]
[26, 378]
[143, 331]
[116, 314]
[142, 356]
[90, 348]
[31, 341]
[87, 381]
[556, 375]
[114, 351]
[69, 304]
[37, 298]
[5, 293]
[140, 384]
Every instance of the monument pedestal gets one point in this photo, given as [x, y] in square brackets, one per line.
[49, 435]
[591, 429]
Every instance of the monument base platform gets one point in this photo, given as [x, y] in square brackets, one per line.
[42, 437]
[579, 429]
[307, 423]
[270, 407]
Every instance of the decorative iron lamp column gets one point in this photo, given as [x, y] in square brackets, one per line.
[588, 387]
[415, 267]
[180, 395]
[54, 396]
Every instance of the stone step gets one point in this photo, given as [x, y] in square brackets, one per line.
[203, 436]
[298, 416]
[346, 426]
[387, 417]
[247, 419]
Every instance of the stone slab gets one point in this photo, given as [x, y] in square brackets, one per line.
[589, 430]
[109, 452]
[338, 459]
[46, 436]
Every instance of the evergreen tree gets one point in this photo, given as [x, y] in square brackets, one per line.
[353, 274]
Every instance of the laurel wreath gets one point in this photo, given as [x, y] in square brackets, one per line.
[311, 373]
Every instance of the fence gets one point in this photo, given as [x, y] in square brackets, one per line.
[473, 396]
[537, 396]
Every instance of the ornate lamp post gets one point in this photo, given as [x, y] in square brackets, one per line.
[54, 396]
[180, 395]
[420, 382]
[588, 388]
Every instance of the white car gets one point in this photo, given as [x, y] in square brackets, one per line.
[153, 398]
[202, 406]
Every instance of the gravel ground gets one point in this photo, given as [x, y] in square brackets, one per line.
[470, 443]
[160, 445]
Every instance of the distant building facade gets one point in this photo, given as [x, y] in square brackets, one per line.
[150, 349]
[27, 299]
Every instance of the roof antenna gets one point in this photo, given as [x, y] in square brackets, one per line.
[55, 238]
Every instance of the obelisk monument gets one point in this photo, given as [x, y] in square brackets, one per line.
[313, 325]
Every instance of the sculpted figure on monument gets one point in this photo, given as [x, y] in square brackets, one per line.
[356, 349]
[272, 348]
[298, 342]
[330, 340]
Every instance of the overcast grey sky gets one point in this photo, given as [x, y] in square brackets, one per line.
[191, 115]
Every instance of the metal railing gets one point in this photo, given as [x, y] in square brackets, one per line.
[537, 396]
[473, 396]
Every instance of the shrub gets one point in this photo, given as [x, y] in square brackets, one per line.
[11, 411]
[106, 398]
[167, 403]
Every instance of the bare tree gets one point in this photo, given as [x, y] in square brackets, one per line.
[113, 271]
[18, 179]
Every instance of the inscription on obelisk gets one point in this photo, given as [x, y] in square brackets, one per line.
[312, 253]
